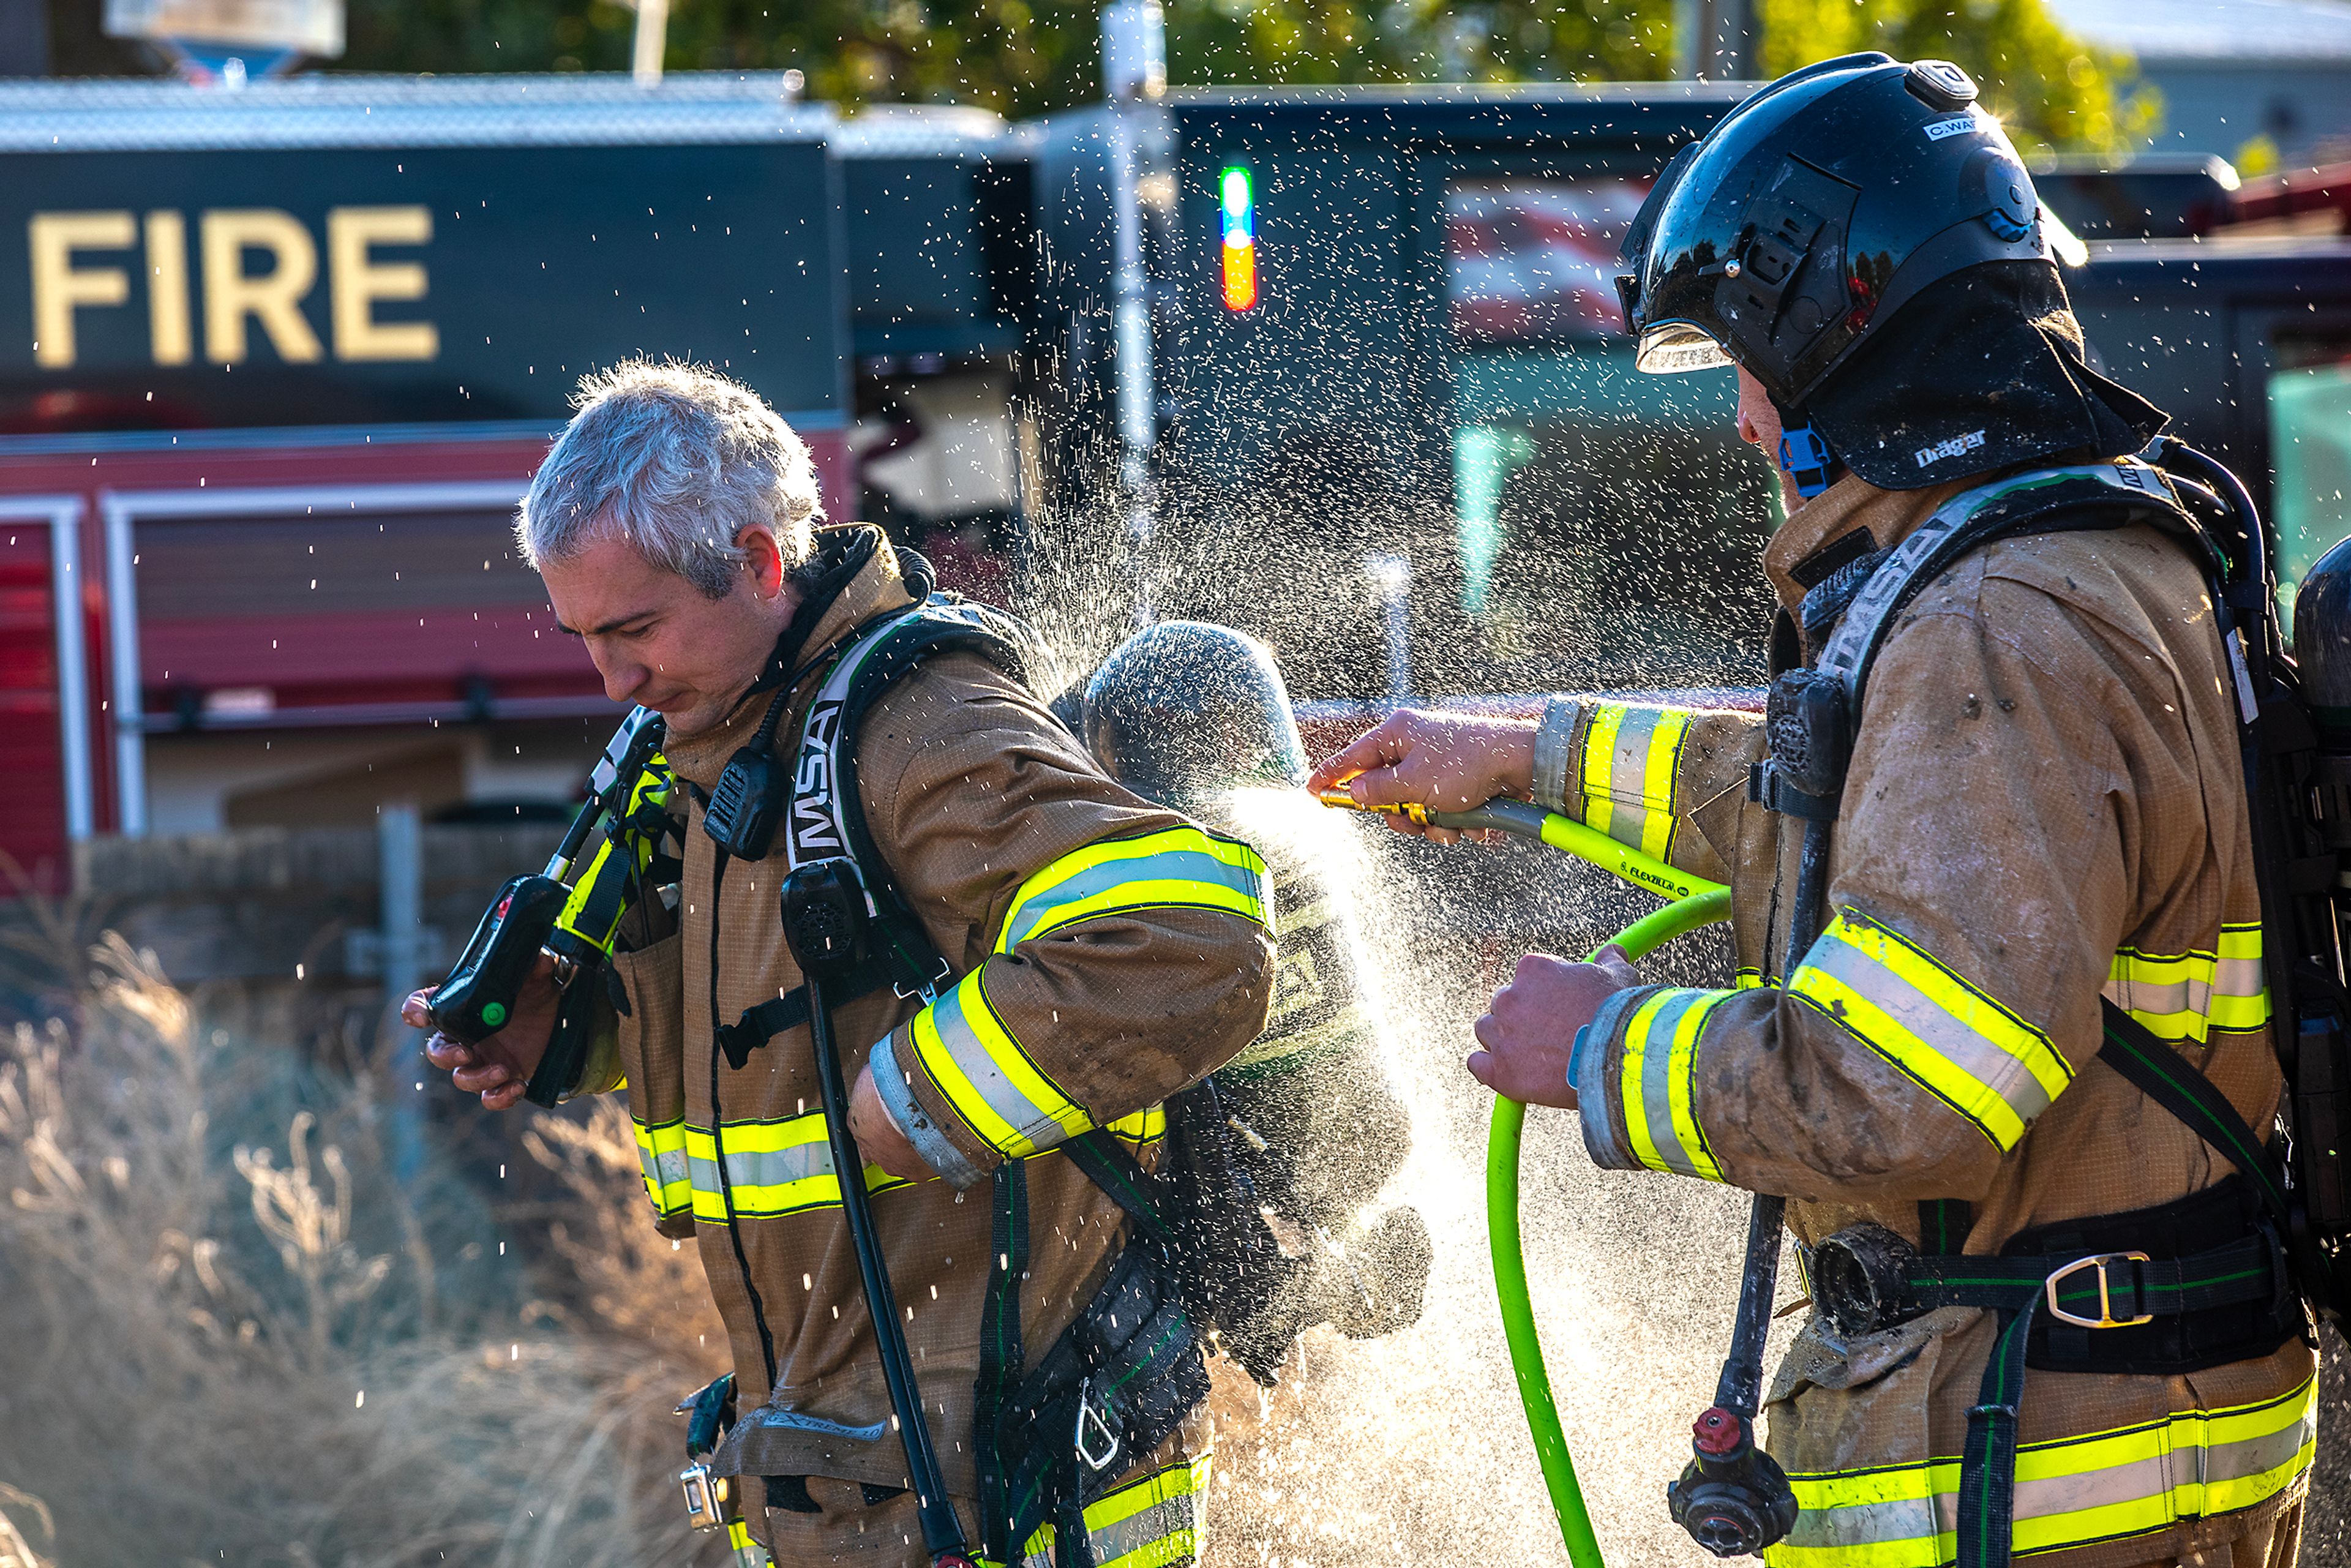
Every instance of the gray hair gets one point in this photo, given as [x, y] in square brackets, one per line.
[676, 459]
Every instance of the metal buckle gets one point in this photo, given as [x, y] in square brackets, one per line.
[706, 1497]
[1088, 1414]
[2105, 1318]
[929, 989]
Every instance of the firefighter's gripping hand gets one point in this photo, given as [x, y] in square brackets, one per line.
[1448, 762]
[879, 1137]
[499, 1068]
[1529, 1030]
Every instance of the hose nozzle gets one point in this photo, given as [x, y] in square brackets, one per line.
[1340, 800]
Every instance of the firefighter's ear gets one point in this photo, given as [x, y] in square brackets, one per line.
[763, 563]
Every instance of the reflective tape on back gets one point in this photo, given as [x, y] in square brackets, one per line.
[2184, 996]
[1956, 1040]
[2104, 1486]
[1150, 1524]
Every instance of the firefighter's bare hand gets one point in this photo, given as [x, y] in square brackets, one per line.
[499, 1068]
[1448, 762]
[1529, 1030]
[878, 1137]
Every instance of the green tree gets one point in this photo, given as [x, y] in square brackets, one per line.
[2053, 91]
[1028, 57]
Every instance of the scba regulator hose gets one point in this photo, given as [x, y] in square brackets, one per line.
[1693, 903]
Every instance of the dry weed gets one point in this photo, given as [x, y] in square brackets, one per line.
[234, 1335]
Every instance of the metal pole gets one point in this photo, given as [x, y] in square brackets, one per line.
[1391, 575]
[1715, 40]
[399, 860]
[652, 39]
[1134, 70]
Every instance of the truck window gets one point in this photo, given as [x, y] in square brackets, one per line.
[2310, 447]
[1608, 524]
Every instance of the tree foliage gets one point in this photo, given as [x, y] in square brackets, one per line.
[1027, 57]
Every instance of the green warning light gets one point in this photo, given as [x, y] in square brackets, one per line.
[494, 1014]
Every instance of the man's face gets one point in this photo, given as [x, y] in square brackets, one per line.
[657, 640]
[1759, 425]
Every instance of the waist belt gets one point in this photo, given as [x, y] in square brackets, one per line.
[2206, 1283]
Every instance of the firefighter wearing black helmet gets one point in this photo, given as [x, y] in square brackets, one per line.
[2048, 1317]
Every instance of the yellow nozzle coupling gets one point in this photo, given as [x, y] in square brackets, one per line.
[1346, 802]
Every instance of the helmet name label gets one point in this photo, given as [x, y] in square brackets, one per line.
[1929, 456]
[1942, 129]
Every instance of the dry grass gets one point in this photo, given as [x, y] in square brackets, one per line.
[253, 1317]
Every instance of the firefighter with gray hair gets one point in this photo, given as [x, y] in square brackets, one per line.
[1095, 953]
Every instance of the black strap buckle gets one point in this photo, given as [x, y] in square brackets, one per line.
[2106, 1319]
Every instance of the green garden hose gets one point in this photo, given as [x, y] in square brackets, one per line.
[1694, 902]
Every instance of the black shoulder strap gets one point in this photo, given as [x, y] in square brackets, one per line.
[828, 813]
[2172, 1081]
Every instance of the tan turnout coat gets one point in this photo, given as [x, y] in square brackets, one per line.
[970, 789]
[2045, 802]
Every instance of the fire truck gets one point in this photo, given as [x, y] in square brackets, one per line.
[1339, 367]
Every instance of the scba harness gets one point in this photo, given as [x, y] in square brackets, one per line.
[1200, 1256]
[2216, 1277]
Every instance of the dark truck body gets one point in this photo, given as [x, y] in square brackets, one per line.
[1434, 369]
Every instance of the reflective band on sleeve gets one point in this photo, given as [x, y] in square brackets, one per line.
[1978, 1058]
[986, 1075]
[1181, 868]
[1660, 1061]
[1151, 1523]
[1630, 755]
[661, 1151]
[2105, 1486]
[2180, 996]
[772, 1167]
[1749, 980]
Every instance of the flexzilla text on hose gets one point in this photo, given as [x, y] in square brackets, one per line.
[1696, 902]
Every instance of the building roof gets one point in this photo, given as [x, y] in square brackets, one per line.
[328, 111]
[2298, 32]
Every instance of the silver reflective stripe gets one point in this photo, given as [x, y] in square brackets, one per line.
[1628, 775]
[1034, 1124]
[771, 1167]
[1165, 865]
[1980, 1058]
[1874, 1524]
[1141, 1529]
[1657, 1061]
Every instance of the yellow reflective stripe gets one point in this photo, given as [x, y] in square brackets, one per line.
[775, 1167]
[1150, 1524]
[2072, 1491]
[1660, 1061]
[1963, 1046]
[1181, 868]
[1748, 980]
[661, 1154]
[986, 1074]
[1630, 756]
[1145, 1128]
[2180, 996]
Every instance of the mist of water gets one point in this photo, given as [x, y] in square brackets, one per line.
[1414, 1445]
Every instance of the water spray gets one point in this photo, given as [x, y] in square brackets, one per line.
[1692, 902]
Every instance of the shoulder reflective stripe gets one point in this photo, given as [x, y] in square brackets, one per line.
[1151, 1523]
[1980, 1058]
[986, 1076]
[2074, 1492]
[1629, 758]
[772, 1168]
[1180, 867]
[2180, 996]
[661, 1151]
[1660, 1057]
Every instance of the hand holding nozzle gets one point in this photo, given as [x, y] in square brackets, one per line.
[1416, 766]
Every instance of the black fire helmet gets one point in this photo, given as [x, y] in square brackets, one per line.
[1808, 238]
